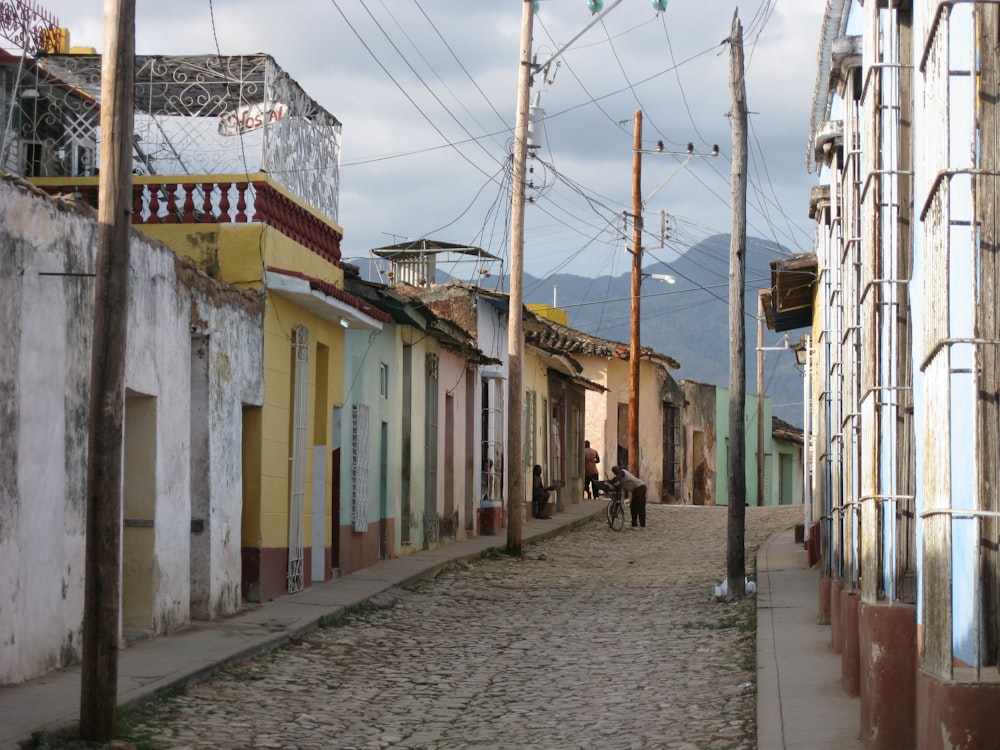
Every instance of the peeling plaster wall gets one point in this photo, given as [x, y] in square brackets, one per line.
[235, 379]
[699, 466]
[44, 382]
[43, 429]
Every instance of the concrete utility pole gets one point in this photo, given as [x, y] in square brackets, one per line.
[515, 336]
[102, 594]
[634, 344]
[736, 529]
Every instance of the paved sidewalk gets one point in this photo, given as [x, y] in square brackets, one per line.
[800, 704]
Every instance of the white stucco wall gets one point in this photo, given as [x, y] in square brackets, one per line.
[235, 379]
[44, 426]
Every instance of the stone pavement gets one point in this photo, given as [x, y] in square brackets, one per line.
[800, 702]
[595, 638]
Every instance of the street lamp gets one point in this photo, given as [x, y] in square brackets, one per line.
[801, 350]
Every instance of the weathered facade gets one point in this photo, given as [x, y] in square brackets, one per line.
[192, 370]
[484, 316]
[416, 383]
[902, 429]
[699, 465]
[554, 410]
[703, 458]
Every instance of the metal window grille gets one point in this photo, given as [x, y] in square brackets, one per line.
[530, 425]
[297, 494]
[359, 466]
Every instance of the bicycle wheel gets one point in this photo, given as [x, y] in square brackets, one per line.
[617, 521]
[609, 512]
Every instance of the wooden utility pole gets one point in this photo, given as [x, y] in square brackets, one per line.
[760, 401]
[515, 337]
[634, 343]
[102, 594]
[735, 563]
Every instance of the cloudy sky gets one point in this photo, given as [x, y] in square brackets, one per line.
[426, 93]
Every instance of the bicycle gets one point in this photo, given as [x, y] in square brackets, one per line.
[615, 512]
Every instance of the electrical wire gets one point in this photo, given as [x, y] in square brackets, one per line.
[431, 67]
[405, 93]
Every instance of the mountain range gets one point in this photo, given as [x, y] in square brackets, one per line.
[688, 319]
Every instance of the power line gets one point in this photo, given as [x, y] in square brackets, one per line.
[403, 90]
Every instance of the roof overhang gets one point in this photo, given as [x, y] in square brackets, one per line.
[788, 304]
[329, 308]
[561, 363]
[423, 247]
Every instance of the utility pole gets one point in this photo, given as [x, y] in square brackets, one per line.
[760, 401]
[736, 527]
[634, 345]
[102, 593]
[515, 336]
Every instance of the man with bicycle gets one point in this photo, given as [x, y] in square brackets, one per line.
[637, 489]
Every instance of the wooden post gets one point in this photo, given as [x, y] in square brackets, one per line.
[736, 527]
[760, 401]
[102, 595]
[634, 343]
[515, 337]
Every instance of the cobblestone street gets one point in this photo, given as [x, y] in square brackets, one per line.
[595, 638]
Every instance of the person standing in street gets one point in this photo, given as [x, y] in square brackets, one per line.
[637, 489]
[590, 474]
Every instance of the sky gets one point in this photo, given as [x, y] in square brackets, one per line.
[426, 92]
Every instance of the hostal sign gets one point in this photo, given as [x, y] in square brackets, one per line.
[251, 117]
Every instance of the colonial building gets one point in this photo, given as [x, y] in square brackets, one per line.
[903, 431]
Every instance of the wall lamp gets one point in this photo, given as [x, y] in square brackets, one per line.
[801, 350]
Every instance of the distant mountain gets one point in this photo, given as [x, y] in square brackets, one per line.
[687, 320]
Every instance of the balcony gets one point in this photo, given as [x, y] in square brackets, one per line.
[215, 199]
[212, 135]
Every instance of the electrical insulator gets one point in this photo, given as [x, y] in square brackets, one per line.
[659, 5]
[596, 6]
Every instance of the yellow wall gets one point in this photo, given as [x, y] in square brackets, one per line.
[280, 320]
[552, 313]
[238, 254]
[235, 253]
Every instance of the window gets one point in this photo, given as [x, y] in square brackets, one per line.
[383, 380]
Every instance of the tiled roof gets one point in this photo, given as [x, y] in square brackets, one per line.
[785, 431]
[555, 337]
